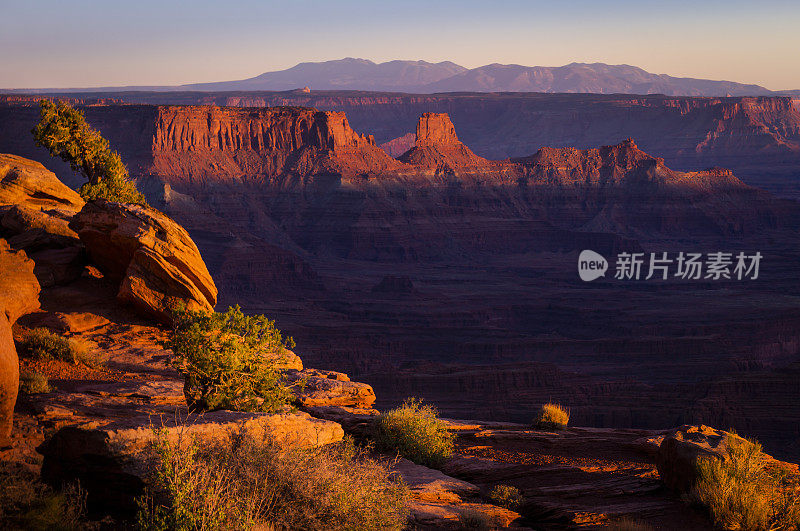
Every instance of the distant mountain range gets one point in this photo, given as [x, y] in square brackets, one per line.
[424, 77]
[346, 74]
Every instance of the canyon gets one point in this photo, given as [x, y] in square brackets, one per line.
[93, 423]
[758, 138]
[447, 274]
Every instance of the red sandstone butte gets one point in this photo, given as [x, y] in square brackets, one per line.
[437, 145]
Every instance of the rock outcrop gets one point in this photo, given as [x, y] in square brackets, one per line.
[440, 501]
[690, 133]
[155, 260]
[681, 448]
[315, 388]
[19, 289]
[29, 184]
[100, 419]
[260, 145]
[437, 146]
[577, 478]
[35, 209]
[436, 129]
[9, 381]
[19, 294]
[679, 451]
[108, 461]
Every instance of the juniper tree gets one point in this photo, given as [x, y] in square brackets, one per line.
[64, 132]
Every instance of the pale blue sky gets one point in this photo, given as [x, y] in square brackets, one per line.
[78, 43]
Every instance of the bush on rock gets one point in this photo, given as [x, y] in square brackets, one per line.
[222, 358]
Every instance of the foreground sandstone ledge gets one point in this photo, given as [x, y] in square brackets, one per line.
[109, 460]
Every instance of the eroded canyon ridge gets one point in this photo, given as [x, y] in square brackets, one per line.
[445, 274]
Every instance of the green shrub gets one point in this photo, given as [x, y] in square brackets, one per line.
[552, 416]
[27, 503]
[33, 383]
[506, 496]
[63, 130]
[221, 356]
[114, 188]
[41, 343]
[740, 492]
[416, 432]
[247, 481]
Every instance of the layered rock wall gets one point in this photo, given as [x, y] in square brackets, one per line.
[259, 144]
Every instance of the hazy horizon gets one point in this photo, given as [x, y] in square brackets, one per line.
[172, 43]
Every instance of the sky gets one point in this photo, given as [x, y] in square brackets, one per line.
[88, 43]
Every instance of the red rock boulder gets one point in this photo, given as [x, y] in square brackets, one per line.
[319, 388]
[28, 183]
[19, 294]
[155, 260]
[679, 451]
[35, 209]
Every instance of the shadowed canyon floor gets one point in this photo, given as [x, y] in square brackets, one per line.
[483, 342]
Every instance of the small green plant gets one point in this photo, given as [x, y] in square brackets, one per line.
[63, 130]
[740, 492]
[416, 432]
[506, 496]
[26, 503]
[33, 383]
[41, 343]
[552, 416]
[221, 356]
[247, 481]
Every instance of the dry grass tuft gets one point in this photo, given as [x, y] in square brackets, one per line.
[416, 432]
[247, 482]
[88, 353]
[472, 519]
[33, 383]
[627, 524]
[552, 416]
[740, 492]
